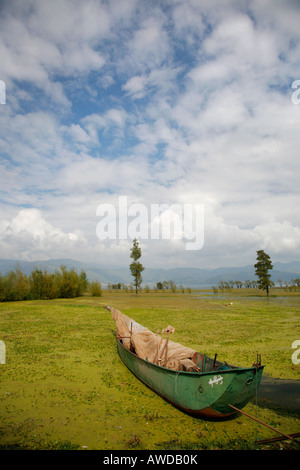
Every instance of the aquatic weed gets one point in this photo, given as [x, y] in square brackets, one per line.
[134, 442]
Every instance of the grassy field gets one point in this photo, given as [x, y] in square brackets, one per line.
[64, 387]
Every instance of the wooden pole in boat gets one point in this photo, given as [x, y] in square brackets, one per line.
[163, 348]
[155, 360]
[157, 347]
[264, 424]
[215, 358]
[169, 329]
[166, 354]
[158, 357]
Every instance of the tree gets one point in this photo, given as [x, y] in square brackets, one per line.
[83, 282]
[69, 284]
[172, 286]
[95, 289]
[297, 281]
[238, 284]
[42, 285]
[136, 267]
[262, 267]
[14, 286]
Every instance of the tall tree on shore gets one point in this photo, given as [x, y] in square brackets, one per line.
[136, 267]
[262, 268]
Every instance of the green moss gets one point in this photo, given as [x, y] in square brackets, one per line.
[63, 385]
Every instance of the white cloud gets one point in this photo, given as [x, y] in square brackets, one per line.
[41, 40]
[171, 102]
[135, 86]
[149, 46]
[111, 118]
[33, 238]
[161, 80]
[279, 236]
[188, 21]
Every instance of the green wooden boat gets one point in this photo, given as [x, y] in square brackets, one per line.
[208, 391]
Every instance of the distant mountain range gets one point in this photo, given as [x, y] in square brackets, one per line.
[188, 277]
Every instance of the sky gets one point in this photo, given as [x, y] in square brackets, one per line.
[169, 104]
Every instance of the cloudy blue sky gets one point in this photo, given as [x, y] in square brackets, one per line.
[170, 101]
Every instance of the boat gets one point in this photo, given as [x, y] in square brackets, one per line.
[191, 381]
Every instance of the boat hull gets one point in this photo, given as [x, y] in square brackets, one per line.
[206, 394]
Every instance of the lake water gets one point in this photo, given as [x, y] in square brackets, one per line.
[281, 393]
[243, 298]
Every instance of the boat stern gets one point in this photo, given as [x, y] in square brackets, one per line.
[242, 388]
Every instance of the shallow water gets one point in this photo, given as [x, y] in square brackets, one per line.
[280, 393]
[232, 297]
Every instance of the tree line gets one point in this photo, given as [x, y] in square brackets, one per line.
[163, 286]
[264, 282]
[291, 285]
[63, 283]
[227, 285]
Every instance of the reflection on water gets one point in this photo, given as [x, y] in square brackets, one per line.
[280, 392]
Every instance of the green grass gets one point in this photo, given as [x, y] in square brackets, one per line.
[64, 387]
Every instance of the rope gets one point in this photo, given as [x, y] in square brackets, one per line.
[256, 411]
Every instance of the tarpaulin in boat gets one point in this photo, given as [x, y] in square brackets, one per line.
[151, 346]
